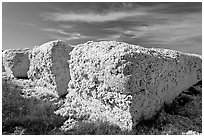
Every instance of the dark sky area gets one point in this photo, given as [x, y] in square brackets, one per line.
[176, 26]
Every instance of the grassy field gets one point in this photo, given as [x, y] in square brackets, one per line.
[183, 116]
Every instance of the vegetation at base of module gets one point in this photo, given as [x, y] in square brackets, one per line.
[84, 128]
[199, 83]
[97, 128]
[188, 104]
[182, 116]
[36, 127]
[22, 115]
[196, 89]
[186, 109]
[153, 125]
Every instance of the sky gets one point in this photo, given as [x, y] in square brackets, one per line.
[176, 25]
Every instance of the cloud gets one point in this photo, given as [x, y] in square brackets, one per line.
[174, 29]
[162, 25]
[183, 33]
[110, 37]
[66, 26]
[91, 17]
[61, 34]
[76, 36]
[52, 30]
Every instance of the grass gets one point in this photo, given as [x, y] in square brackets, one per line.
[182, 116]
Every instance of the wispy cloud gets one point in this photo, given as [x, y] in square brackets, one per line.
[76, 36]
[174, 25]
[171, 31]
[174, 31]
[52, 30]
[61, 34]
[66, 26]
[111, 37]
[91, 17]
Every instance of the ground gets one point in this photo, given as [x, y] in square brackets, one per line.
[182, 116]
